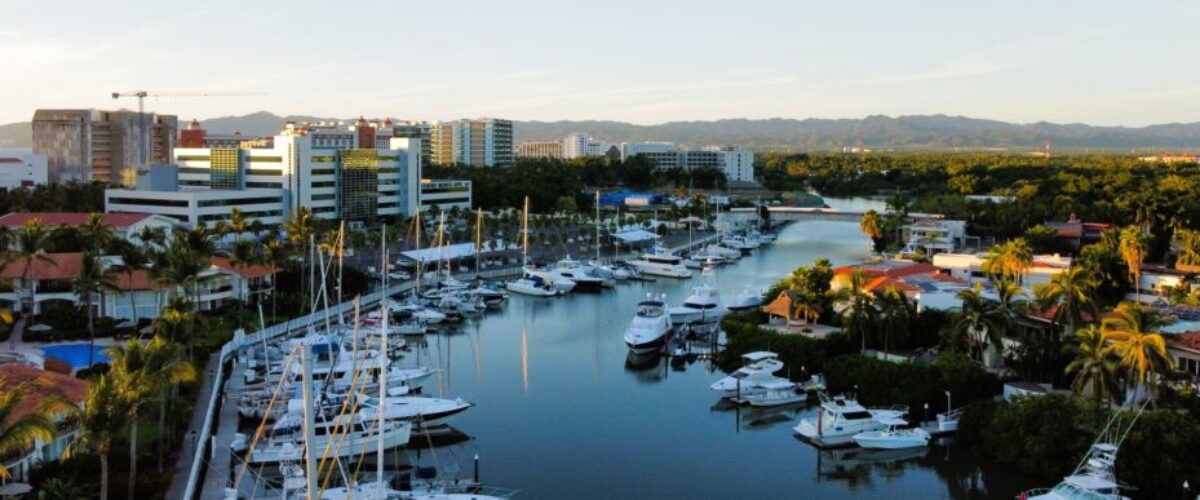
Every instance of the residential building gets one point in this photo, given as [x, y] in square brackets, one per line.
[540, 149]
[354, 173]
[107, 146]
[48, 387]
[445, 194]
[736, 164]
[1077, 233]
[580, 145]
[484, 142]
[126, 226]
[664, 154]
[969, 267]
[22, 168]
[934, 236]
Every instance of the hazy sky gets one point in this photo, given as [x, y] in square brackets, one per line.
[1098, 62]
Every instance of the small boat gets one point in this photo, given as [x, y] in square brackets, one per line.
[655, 263]
[745, 301]
[650, 326]
[894, 437]
[491, 296]
[552, 276]
[617, 273]
[841, 416]
[533, 286]
[777, 393]
[757, 369]
[582, 275]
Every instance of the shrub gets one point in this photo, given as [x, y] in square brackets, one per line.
[878, 382]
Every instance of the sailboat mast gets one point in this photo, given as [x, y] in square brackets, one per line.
[597, 223]
[478, 237]
[310, 465]
[441, 248]
[383, 373]
[341, 253]
[525, 234]
[420, 261]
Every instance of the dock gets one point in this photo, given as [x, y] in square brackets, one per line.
[828, 442]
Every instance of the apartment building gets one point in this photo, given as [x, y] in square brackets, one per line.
[540, 149]
[108, 146]
[736, 164]
[484, 142]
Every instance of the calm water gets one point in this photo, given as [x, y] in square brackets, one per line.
[562, 412]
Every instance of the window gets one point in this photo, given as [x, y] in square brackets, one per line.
[195, 183]
[322, 197]
[194, 170]
[226, 166]
[322, 171]
[149, 202]
[266, 185]
[326, 184]
[263, 171]
[323, 159]
[237, 201]
[266, 159]
[191, 158]
[322, 210]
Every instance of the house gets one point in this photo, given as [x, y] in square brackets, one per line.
[969, 267]
[934, 236]
[45, 385]
[783, 308]
[926, 284]
[1185, 348]
[1077, 233]
[127, 226]
[51, 279]
[1156, 282]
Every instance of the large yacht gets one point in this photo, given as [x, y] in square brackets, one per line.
[552, 276]
[650, 326]
[661, 264]
[583, 275]
[844, 417]
[756, 371]
[703, 306]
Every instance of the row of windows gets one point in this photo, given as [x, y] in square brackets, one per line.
[321, 197]
[445, 200]
[148, 202]
[322, 171]
[191, 158]
[322, 210]
[194, 183]
[463, 189]
[323, 159]
[388, 182]
[267, 159]
[263, 171]
[193, 170]
[237, 201]
[327, 184]
[257, 214]
[267, 185]
[387, 205]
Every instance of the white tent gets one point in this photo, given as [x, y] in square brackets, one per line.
[634, 236]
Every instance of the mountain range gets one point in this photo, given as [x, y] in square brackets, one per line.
[938, 132]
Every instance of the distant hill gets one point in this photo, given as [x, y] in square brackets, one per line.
[876, 132]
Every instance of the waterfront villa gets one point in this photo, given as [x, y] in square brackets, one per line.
[46, 385]
[50, 280]
[935, 236]
[969, 267]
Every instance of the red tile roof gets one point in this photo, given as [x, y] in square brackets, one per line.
[116, 220]
[252, 271]
[141, 281]
[884, 282]
[65, 266]
[891, 269]
[1189, 340]
[42, 386]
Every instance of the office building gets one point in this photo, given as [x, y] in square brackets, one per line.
[107, 146]
[485, 142]
[540, 149]
[22, 168]
[445, 194]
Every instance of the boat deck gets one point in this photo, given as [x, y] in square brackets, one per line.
[847, 441]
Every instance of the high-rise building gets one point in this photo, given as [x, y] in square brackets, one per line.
[540, 149]
[579, 145]
[107, 146]
[355, 173]
[485, 142]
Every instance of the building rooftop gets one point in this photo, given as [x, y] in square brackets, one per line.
[116, 220]
[45, 385]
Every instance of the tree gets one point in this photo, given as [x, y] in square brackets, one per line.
[93, 278]
[1093, 365]
[1069, 293]
[897, 314]
[21, 433]
[142, 373]
[274, 254]
[242, 256]
[95, 233]
[29, 247]
[872, 227]
[858, 313]
[133, 260]
[1188, 242]
[99, 423]
[1132, 247]
[300, 228]
[237, 222]
[1133, 338]
[978, 322]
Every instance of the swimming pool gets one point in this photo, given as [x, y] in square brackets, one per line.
[75, 354]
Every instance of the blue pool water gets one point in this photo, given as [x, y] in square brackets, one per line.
[75, 354]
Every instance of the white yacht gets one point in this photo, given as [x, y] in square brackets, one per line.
[609, 271]
[844, 417]
[418, 312]
[661, 264]
[532, 285]
[285, 440]
[727, 253]
[745, 301]
[425, 411]
[894, 437]
[552, 276]
[583, 276]
[757, 369]
[703, 306]
[650, 327]
[1095, 478]
[777, 393]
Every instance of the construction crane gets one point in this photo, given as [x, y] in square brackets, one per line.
[141, 96]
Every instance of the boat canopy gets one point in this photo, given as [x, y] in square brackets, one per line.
[759, 355]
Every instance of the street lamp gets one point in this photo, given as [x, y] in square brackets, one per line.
[926, 419]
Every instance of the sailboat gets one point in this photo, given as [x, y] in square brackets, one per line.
[529, 284]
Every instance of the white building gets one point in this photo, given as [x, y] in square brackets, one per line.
[663, 154]
[969, 267]
[934, 236]
[201, 206]
[579, 145]
[736, 164]
[445, 194]
[22, 168]
[126, 226]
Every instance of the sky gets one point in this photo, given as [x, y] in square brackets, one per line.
[1097, 62]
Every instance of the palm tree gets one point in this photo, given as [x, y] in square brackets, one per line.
[240, 258]
[57, 488]
[1093, 365]
[300, 228]
[872, 226]
[806, 305]
[98, 424]
[237, 222]
[93, 278]
[1188, 242]
[95, 233]
[1132, 332]
[142, 372]
[858, 314]
[1070, 294]
[1132, 247]
[133, 260]
[979, 321]
[30, 246]
[152, 236]
[274, 254]
[1018, 258]
[22, 433]
[896, 315]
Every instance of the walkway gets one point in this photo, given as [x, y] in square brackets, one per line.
[183, 466]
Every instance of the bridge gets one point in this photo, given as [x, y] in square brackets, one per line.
[815, 213]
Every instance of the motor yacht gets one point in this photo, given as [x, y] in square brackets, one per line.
[661, 264]
[552, 276]
[841, 416]
[894, 437]
[344, 436]
[777, 393]
[757, 369]
[728, 254]
[650, 326]
[703, 306]
[582, 275]
[534, 286]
